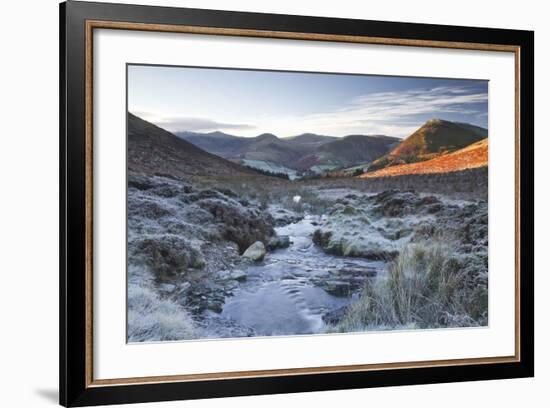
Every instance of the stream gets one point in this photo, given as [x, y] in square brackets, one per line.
[293, 288]
[188, 280]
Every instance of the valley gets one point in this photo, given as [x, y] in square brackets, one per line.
[302, 155]
[218, 250]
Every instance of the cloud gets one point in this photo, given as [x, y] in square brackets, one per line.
[396, 113]
[180, 124]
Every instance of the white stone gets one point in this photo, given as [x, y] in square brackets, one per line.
[255, 252]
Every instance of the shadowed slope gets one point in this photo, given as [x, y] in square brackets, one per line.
[218, 143]
[348, 151]
[153, 151]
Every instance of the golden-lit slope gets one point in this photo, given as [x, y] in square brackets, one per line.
[472, 156]
[435, 138]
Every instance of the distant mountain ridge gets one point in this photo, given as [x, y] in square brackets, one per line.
[218, 143]
[303, 152]
[435, 138]
[310, 153]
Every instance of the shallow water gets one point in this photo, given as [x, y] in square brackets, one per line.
[283, 295]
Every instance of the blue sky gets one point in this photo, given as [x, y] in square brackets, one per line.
[248, 103]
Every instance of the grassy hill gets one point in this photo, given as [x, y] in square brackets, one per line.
[473, 156]
[436, 137]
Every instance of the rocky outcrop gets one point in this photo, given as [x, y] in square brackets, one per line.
[378, 226]
[237, 223]
[187, 240]
[284, 216]
[350, 230]
[169, 255]
[198, 218]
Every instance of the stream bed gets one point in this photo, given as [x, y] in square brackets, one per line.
[293, 288]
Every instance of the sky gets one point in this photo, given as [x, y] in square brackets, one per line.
[251, 102]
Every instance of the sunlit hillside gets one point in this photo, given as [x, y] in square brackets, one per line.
[472, 156]
[435, 138]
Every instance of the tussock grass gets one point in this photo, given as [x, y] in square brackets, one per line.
[427, 286]
[151, 318]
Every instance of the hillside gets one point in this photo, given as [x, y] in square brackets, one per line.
[269, 148]
[436, 137]
[473, 156]
[153, 151]
[218, 143]
[348, 151]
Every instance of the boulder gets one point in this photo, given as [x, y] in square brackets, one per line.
[255, 252]
[238, 275]
[278, 241]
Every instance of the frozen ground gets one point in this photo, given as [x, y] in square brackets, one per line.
[188, 279]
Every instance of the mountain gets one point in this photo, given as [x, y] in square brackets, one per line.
[265, 138]
[307, 151]
[153, 150]
[472, 156]
[271, 149]
[348, 151]
[265, 147]
[436, 137]
[218, 143]
[309, 140]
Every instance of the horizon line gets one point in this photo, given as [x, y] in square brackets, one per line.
[175, 132]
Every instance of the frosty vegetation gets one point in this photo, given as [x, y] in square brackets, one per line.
[336, 258]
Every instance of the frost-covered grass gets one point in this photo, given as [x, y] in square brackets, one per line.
[309, 201]
[427, 286]
[151, 318]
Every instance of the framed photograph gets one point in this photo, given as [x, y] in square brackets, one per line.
[256, 204]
